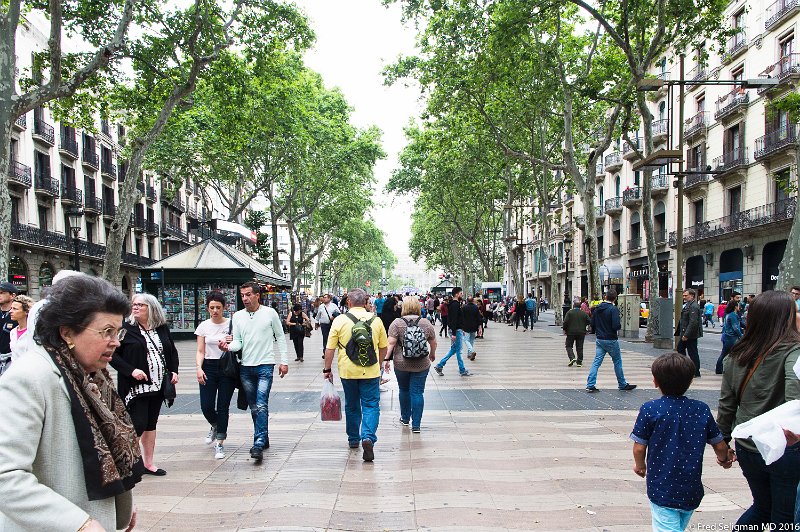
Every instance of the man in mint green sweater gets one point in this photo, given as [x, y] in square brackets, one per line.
[256, 331]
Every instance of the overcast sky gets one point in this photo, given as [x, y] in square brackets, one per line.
[355, 40]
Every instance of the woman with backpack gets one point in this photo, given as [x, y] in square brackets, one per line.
[412, 344]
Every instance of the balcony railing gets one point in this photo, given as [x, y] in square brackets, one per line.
[730, 103]
[28, 234]
[580, 220]
[566, 228]
[659, 129]
[109, 169]
[177, 202]
[45, 184]
[139, 223]
[151, 228]
[660, 236]
[122, 171]
[613, 161]
[785, 67]
[629, 150]
[780, 211]
[89, 158]
[632, 196]
[698, 73]
[696, 124]
[44, 131]
[599, 212]
[109, 209]
[71, 194]
[635, 244]
[150, 193]
[698, 178]
[599, 171]
[69, 146]
[601, 252]
[659, 183]
[92, 204]
[613, 205]
[172, 230]
[737, 43]
[21, 122]
[19, 174]
[105, 128]
[775, 141]
[731, 160]
[778, 11]
[192, 212]
[614, 249]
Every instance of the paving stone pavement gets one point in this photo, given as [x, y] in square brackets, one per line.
[518, 446]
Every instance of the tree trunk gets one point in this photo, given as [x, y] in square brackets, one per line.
[5, 197]
[789, 268]
[647, 213]
[554, 290]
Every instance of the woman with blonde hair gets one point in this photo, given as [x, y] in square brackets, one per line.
[145, 358]
[412, 344]
[20, 307]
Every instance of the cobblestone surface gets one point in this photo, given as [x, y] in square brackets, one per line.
[518, 446]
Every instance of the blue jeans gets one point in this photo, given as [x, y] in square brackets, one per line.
[530, 318]
[774, 488]
[257, 382]
[362, 408]
[455, 349]
[470, 341]
[669, 519]
[215, 397]
[612, 348]
[727, 343]
[412, 394]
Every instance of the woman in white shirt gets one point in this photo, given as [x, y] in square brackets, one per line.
[20, 308]
[216, 389]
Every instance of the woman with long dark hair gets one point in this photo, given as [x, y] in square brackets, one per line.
[389, 313]
[731, 332]
[295, 321]
[758, 376]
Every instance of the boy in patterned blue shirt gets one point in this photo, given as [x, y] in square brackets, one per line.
[669, 438]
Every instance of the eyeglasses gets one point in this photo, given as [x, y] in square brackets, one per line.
[138, 304]
[109, 334]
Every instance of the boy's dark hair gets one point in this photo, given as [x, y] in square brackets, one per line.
[456, 290]
[611, 295]
[673, 372]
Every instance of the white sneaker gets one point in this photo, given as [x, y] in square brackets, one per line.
[219, 451]
[212, 435]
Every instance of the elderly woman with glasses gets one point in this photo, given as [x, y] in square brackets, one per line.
[146, 357]
[71, 457]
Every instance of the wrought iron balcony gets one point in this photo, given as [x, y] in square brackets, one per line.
[786, 68]
[730, 161]
[69, 146]
[90, 159]
[613, 205]
[614, 249]
[19, 174]
[44, 132]
[779, 11]
[697, 74]
[109, 209]
[599, 213]
[599, 172]
[21, 123]
[192, 212]
[613, 161]
[122, 171]
[632, 197]
[105, 128]
[566, 228]
[659, 185]
[569, 198]
[780, 211]
[108, 169]
[732, 104]
[737, 44]
[46, 185]
[138, 223]
[696, 125]
[151, 228]
[150, 193]
[660, 130]
[660, 237]
[628, 151]
[635, 244]
[92, 205]
[177, 203]
[697, 177]
[775, 142]
[170, 230]
[580, 220]
[71, 195]
[601, 252]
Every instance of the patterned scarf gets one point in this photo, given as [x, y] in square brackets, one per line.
[112, 462]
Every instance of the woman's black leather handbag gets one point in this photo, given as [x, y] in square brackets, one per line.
[229, 362]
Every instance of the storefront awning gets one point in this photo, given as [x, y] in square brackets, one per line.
[214, 255]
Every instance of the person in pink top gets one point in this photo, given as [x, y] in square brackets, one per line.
[721, 311]
[20, 307]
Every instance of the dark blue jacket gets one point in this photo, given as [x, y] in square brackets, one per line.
[605, 321]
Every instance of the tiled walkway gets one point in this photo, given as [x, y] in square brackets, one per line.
[518, 446]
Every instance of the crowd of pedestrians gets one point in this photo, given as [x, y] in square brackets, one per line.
[92, 444]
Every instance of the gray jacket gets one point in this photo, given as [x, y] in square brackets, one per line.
[42, 484]
[691, 319]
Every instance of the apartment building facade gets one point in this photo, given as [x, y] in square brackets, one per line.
[56, 169]
[739, 155]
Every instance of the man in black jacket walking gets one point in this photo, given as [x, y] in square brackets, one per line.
[689, 329]
[454, 322]
[575, 323]
[606, 323]
[471, 321]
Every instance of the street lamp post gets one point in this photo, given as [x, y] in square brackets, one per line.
[567, 248]
[383, 275]
[75, 216]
